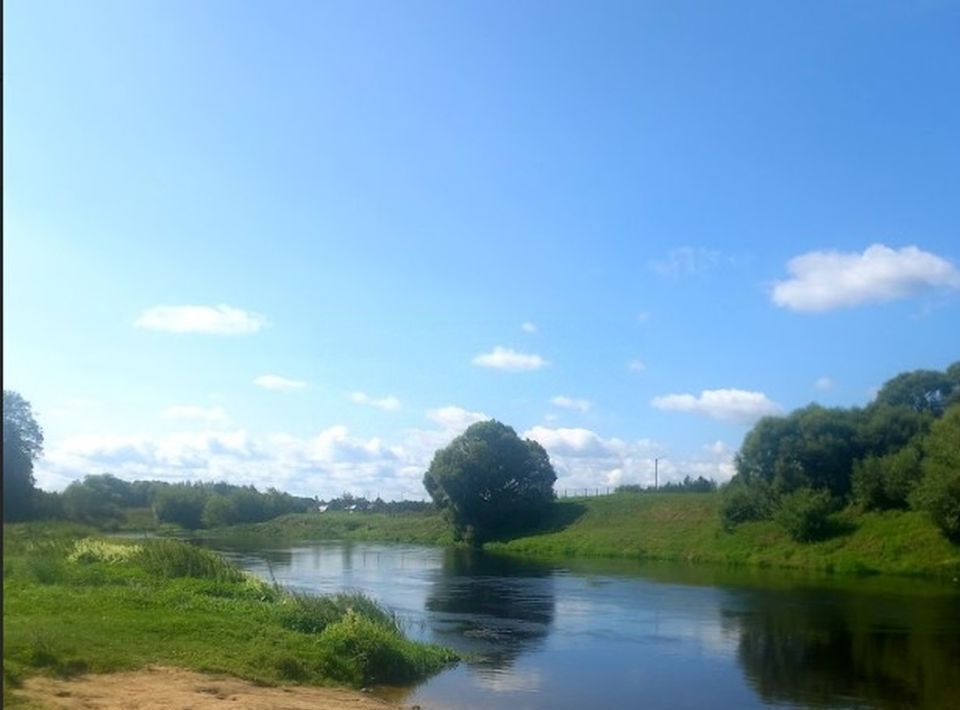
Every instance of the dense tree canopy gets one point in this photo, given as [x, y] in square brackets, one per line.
[489, 480]
[902, 450]
[22, 445]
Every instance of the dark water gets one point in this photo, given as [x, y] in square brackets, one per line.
[630, 635]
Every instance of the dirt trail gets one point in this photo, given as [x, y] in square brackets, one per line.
[162, 688]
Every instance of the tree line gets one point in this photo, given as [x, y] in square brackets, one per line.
[902, 451]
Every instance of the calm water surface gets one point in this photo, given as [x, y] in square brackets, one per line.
[613, 634]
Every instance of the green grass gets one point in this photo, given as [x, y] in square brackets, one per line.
[419, 528]
[661, 526]
[77, 604]
[686, 527]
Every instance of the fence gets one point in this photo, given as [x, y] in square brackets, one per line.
[584, 492]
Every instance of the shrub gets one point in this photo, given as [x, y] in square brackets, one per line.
[884, 482]
[370, 652]
[182, 505]
[939, 491]
[743, 502]
[805, 514]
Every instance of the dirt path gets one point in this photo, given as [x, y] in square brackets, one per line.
[161, 688]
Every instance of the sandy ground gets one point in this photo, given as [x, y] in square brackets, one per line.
[159, 687]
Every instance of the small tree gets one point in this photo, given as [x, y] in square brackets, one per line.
[489, 480]
[22, 445]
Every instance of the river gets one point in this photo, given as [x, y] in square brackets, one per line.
[606, 634]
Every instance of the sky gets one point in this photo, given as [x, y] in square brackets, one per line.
[305, 244]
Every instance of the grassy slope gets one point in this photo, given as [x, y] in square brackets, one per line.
[63, 616]
[664, 526]
[421, 528]
[686, 526]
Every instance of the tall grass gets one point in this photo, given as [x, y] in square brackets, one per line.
[173, 558]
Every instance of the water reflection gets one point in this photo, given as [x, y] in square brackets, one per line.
[541, 635]
[493, 607]
[828, 648]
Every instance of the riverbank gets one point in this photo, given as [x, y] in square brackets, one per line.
[664, 526]
[75, 604]
[161, 687]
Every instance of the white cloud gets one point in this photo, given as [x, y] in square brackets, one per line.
[278, 383]
[211, 415]
[823, 383]
[215, 320]
[506, 359]
[455, 418]
[643, 317]
[636, 366]
[528, 327]
[686, 261]
[387, 404]
[825, 280]
[731, 405]
[581, 405]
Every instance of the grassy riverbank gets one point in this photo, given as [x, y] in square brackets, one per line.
[665, 526]
[686, 527]
[75, 603]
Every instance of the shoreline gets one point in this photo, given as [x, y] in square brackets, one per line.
[157, 687]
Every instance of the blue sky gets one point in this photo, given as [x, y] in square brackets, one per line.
[702, 214]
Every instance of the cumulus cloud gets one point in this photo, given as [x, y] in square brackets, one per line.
[213, 320]
[455, 418]
[387, 404]
[528, 327]
[636, 366]
[506, 359]
[730, 405]
[325, 464]
[685, 261]
[825, 280]
[210, 415]
[278, 383]
[823, 383]
[581, 405]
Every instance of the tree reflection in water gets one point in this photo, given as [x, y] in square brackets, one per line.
[491, 607]
[826, 648]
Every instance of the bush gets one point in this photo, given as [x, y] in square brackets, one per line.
[805, 514]
[939, 491]
[182, 505]
[743, 502]
[884, 482]
[312, 614]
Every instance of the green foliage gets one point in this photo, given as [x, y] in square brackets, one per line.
[488, 480]
[687, 485]
[180, 504]
[311, 614]
[939, 490]
[22, 445]
[97, 500]
[884, 429]
[173, 558]
[804, 514]
[813, 447]
[376, 653]
[101, 605]
[743, 502]
[921, 390]
[885, 482]
[687, 527]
